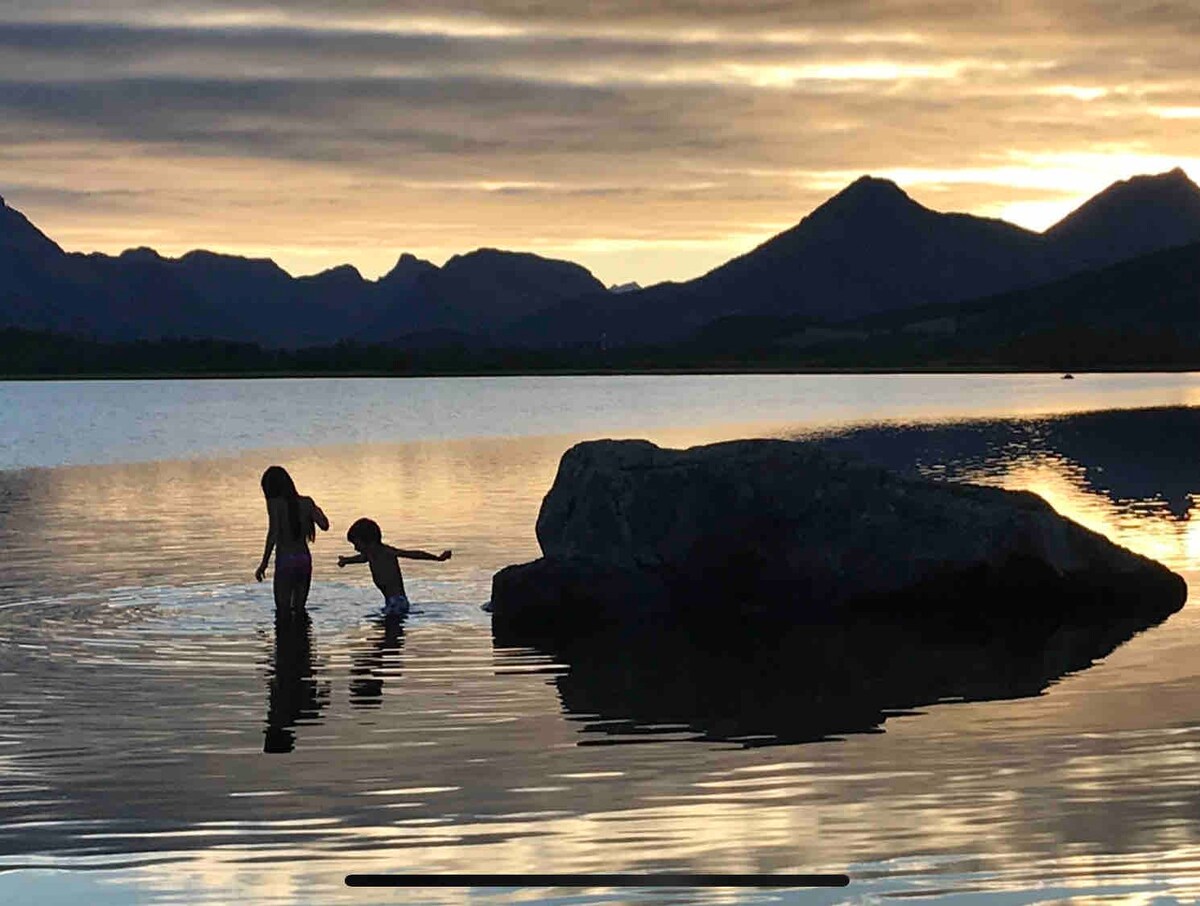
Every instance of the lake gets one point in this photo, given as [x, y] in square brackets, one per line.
[164, 741]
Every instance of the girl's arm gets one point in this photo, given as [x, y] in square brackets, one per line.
[355, 558]
[418, 555]
[270, 543]
[318, 516]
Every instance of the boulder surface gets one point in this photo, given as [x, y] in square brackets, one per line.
[754, 529]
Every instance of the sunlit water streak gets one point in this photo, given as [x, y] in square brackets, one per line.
[52, 423]
[158, 729]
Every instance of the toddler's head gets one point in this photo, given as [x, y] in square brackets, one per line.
[364, 533]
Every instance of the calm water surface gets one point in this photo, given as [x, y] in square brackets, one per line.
[163, 740]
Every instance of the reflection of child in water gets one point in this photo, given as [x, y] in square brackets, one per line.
[384, 562]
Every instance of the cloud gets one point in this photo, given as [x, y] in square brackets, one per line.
[1030, 19]
[674, 122]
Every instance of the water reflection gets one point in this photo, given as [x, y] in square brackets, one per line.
[136, 525]
[375, 662]
[812, 683]
[132, 647]
[1130, 474]
[296, 693]
[1132, 457]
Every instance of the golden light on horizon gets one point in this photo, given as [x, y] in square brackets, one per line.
[646, 141]
[858, 71]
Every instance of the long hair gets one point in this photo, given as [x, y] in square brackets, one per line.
[276, 482]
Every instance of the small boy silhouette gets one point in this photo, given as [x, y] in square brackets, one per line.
[384, 561]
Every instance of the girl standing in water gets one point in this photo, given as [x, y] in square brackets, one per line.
[292, 522]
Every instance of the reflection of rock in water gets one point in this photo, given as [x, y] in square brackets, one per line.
[810, 683]
[295, 694]
[369, 666]
[1134, 456]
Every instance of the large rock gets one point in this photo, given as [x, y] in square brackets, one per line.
[631, 533]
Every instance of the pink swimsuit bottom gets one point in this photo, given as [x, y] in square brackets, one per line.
[294, 566]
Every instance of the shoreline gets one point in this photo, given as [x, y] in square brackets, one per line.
[587, 372]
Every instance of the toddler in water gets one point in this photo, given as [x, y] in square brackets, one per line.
[384, 562]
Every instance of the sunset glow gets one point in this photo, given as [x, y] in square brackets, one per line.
[647, 141]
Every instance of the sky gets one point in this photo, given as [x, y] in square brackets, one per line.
[645, 139]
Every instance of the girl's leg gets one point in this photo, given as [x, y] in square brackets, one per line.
[299, 591]
[283, 584]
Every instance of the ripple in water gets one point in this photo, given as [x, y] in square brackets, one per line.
[159, 729]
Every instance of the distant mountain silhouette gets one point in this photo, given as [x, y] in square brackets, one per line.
[868, 251]
[140, 294]
[493, 288]
[409, 269]
[1138, 313]
[36, 280]
[20, 237]
[470, 298]
[1153, 291]
[869, 248]
[872, 249]
[629, 287]
[1130, 218]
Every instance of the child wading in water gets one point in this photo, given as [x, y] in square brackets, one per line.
[292, 522]
[384, 562]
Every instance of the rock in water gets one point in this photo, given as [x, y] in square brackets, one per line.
[768, 529]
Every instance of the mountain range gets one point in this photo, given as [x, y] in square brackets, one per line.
[872, 249]
[869, 252]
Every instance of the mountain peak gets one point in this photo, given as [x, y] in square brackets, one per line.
[1132, 216]
[341, 272]
[1174, 175]
[408, 269]
[18, 234]
[872, 187]
[487, 253]
[141, 253]
[1172, 180]
[1145, 188]
[868, 197]
[488, 257]
[523, 271]
[337, 278]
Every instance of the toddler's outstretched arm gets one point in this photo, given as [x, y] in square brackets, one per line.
[419, 555]
[355, 558]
